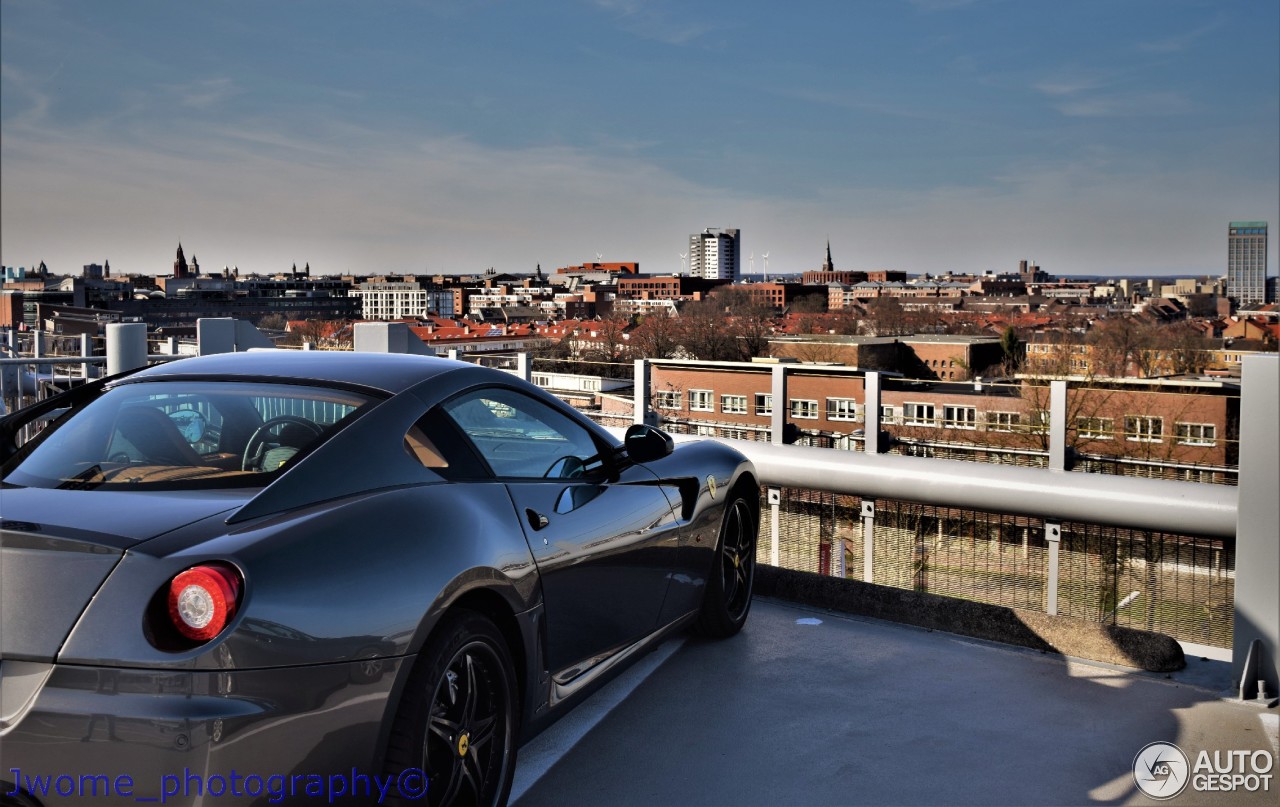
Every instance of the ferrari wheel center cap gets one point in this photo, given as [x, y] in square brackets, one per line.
[464, 741]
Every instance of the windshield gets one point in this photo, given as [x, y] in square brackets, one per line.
[182, 435]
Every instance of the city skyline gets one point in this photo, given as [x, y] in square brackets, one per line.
[1093, 138]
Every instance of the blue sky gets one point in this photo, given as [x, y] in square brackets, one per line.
[1092, 137]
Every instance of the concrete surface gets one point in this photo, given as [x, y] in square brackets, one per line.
[1111, 644]
[814, 707]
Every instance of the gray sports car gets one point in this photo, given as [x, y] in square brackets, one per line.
[292, 576]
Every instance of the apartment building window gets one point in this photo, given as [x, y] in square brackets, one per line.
[804, 409]
[733, 404]
[734, 434]
[1040, 421]
[918, 414]
[1004, 421]
[1197, 434]
[703, 430]
[1096, 428]
[1144, 428]
[764, 403]
[666, 399]
[887, 414]
[960, 417]
[842, 409]
[702, 400]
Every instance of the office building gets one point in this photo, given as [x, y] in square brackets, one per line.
[1247, 262]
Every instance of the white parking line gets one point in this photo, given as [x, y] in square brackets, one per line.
[550, 746]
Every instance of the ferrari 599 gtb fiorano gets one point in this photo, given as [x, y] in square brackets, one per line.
[269, 569]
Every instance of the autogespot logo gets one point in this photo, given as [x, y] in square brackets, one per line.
[1161, 770]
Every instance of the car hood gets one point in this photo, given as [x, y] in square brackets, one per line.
[57, 546]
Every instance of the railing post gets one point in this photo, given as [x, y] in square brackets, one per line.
[1256, 637]
[871, 414]
[454, 354]
[39, 346]
[775, 532]
[868, 540]
[86, 350]
[1052, 535]
[837, 555]
[126, 346]
[640, 409]
[778, 419]
[522, 366]
[1058, 425]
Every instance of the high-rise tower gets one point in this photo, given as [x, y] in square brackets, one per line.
[1247, 262]
[715, 254]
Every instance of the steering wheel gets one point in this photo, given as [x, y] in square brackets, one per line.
[566, 467]
[253, 449]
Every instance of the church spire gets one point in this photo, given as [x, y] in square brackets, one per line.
[180, 263]
[827, 265]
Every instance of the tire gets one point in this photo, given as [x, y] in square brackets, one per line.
[458, 716]
[727, 599]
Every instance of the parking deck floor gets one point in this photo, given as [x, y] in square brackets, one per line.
[815, 708]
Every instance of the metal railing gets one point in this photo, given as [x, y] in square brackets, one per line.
[1155, 553]
[1150, 553]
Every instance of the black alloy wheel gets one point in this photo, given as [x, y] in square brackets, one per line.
[727, 600]
[457, 722]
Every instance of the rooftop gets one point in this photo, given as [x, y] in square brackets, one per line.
[813, 707]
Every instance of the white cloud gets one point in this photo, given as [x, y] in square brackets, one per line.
[1180, 42]
[363, 202]
[206, 93]
[31, 90]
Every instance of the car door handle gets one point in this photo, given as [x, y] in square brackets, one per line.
[536, 520]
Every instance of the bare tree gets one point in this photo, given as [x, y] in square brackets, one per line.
[750, 321]
[612, 334]
[323, 333]
[809, 304]
[886, 317]
[273, 322]
[1123, 346]
[656, 336]
[1187, 349]
[706, 333]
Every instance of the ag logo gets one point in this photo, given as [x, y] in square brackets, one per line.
[1161, 770]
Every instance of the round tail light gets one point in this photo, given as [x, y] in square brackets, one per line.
[202, 600]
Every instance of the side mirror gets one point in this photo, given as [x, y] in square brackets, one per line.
[645, 443]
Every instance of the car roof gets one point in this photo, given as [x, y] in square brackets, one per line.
[390, 372]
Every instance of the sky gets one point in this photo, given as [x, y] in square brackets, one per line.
[1107, 137]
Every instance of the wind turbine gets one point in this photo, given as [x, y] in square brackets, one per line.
[766, 267]
[599, 257]
[683, 256]
[751, 263]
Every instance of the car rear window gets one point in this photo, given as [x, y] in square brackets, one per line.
[183, 435]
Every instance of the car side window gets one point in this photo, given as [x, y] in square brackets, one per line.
[521, 437]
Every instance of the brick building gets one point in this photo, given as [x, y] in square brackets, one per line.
[1181, 428]
[925, 356]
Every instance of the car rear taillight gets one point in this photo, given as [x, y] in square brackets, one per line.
[202, 600]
